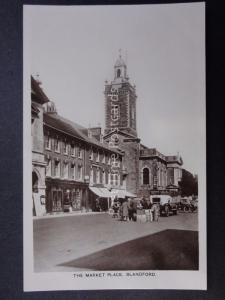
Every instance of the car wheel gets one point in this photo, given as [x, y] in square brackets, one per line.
[167, 212]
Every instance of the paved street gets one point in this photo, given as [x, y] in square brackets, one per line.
[99, 242]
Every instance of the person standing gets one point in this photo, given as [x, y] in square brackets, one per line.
[125, 210]
[155, 211]
[130, 209]
[148, 212]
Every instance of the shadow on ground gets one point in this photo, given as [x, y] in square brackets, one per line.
[165, 250]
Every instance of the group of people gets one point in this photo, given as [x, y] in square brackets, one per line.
[152, 210]
[127, 209]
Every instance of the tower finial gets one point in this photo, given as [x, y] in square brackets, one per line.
[120, 52]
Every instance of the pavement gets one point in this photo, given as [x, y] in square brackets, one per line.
[100, 242]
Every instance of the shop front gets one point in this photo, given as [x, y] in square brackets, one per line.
[100, 198]
[65, 195]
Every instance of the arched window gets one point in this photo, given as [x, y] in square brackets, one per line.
[145, 176]
[118, 73]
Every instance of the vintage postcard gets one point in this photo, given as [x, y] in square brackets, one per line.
[114, 147]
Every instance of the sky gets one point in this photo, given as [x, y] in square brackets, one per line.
[74, 48]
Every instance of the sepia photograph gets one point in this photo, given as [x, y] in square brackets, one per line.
[114, 147]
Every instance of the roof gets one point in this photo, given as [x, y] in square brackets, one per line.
[37, 93]
[120, 132]
[71, 128]
[145, 151]
[34, 109]
[55, 121]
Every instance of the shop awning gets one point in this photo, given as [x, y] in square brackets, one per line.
[122, 193]
[101, 192]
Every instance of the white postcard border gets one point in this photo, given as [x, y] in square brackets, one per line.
[189, 280]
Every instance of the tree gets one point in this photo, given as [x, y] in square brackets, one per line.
[188, 184]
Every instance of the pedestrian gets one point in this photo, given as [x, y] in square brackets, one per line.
[121, 210]
[134, 210]
[130, 209]
[115, 208]
[125, 210]
[155, 211]
[148, 212]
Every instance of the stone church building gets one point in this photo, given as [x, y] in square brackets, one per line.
[145, 170]
[77, 165]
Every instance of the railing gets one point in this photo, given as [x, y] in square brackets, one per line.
[151, 152]
[174, 158]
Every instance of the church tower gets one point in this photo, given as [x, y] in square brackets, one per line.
[120, 123]
[120, 101]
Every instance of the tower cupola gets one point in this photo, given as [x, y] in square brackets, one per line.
[120, 69]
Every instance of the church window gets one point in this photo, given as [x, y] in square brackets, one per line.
[145, 176]
[118, 73]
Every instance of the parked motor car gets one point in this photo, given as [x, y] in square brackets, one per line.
[185, 204]
[167, 204]
[194, 205]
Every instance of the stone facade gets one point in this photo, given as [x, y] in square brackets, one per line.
[68, 160]
[130, 149]
[145, 170]
[120, 102]
[38, 160]
[77, 165]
